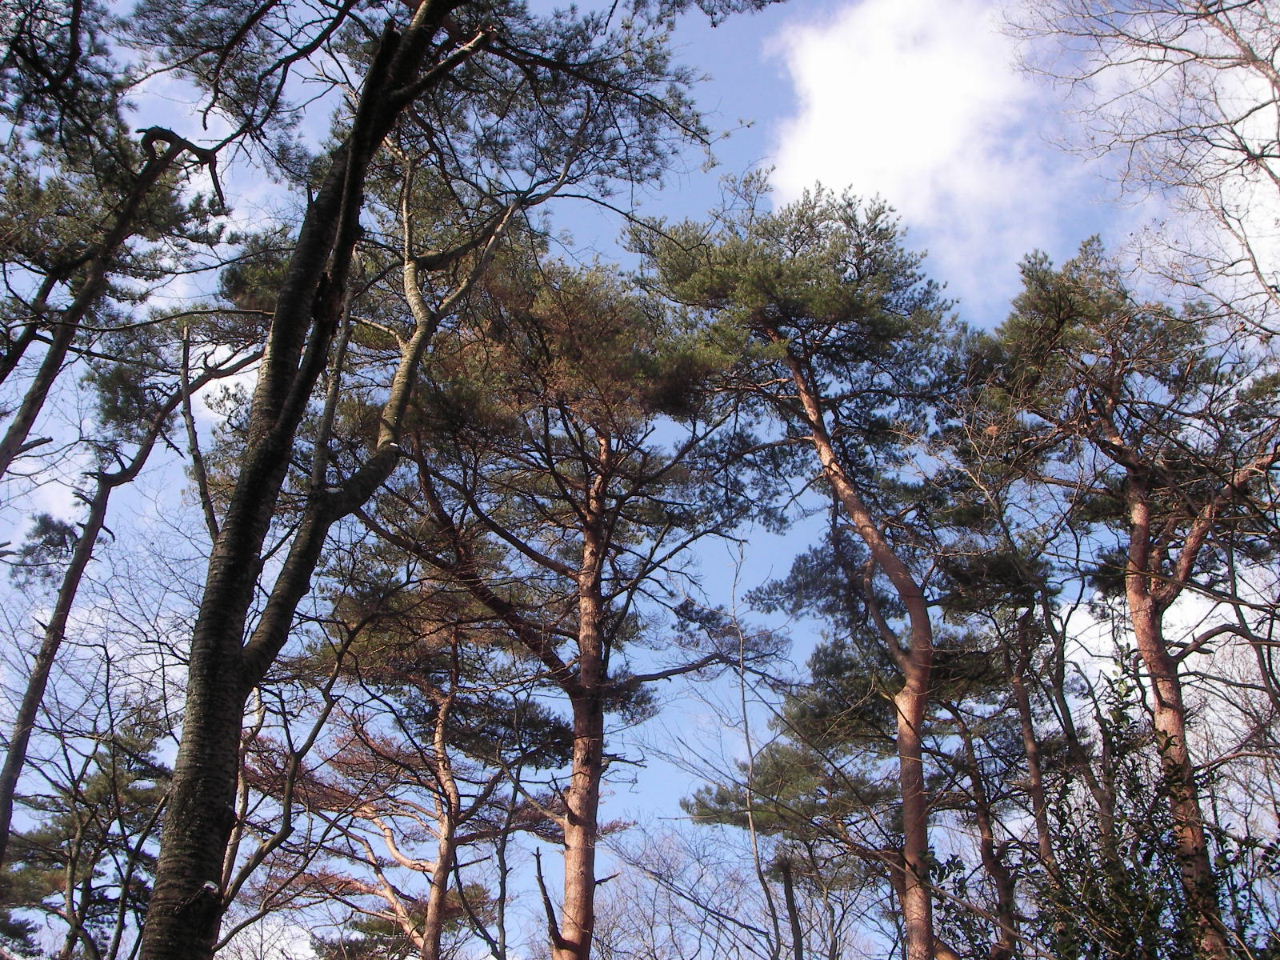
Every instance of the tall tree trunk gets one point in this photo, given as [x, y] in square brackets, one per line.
[1006, 912]
[793, 909]
[911, 703]
[449, 807]
[186, 905]
[54, 633]
[438, 892]
[915, 661]
[581, 831]
[1170, 714]
[1100, 789]
[582, 799]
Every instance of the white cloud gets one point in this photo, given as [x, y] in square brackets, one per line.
[919, 101]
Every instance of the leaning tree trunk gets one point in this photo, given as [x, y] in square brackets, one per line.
[68, 589]
[97, 275]
[915, 661]
[186, 905]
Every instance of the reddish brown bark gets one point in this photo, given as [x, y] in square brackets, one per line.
[915, 661]
[582, 799]
[1146, 609]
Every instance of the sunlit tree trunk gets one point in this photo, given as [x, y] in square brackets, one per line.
[915, 660]
[1170, 715]
[582, 799]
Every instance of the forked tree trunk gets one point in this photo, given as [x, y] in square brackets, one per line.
[187, 904]
[1170, 715]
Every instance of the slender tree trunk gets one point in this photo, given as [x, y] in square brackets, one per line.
[14, 442]
[793, 909]
[97, 274]
[916, 663]
[54, 633]
[449, 807]
[582, 799]
[56, 629]
[1015, 666]
[1170, 714]
[1006, 912]
[1100, 789]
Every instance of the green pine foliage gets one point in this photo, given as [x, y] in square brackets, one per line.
[86, 859]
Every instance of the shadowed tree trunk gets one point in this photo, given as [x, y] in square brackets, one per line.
[186, 905]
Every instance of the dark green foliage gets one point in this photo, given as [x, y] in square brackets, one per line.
[74, 158]
[1123, 900]
[828, 280]
[89, 857]
[253, 278]
[48, 546]
[366, 938]
[418, 645]
[1167, 407]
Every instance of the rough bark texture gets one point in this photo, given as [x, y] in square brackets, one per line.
[187, 904]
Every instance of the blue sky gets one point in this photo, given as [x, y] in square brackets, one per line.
[918, 101]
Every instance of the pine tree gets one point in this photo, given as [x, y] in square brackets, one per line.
[89, 860]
